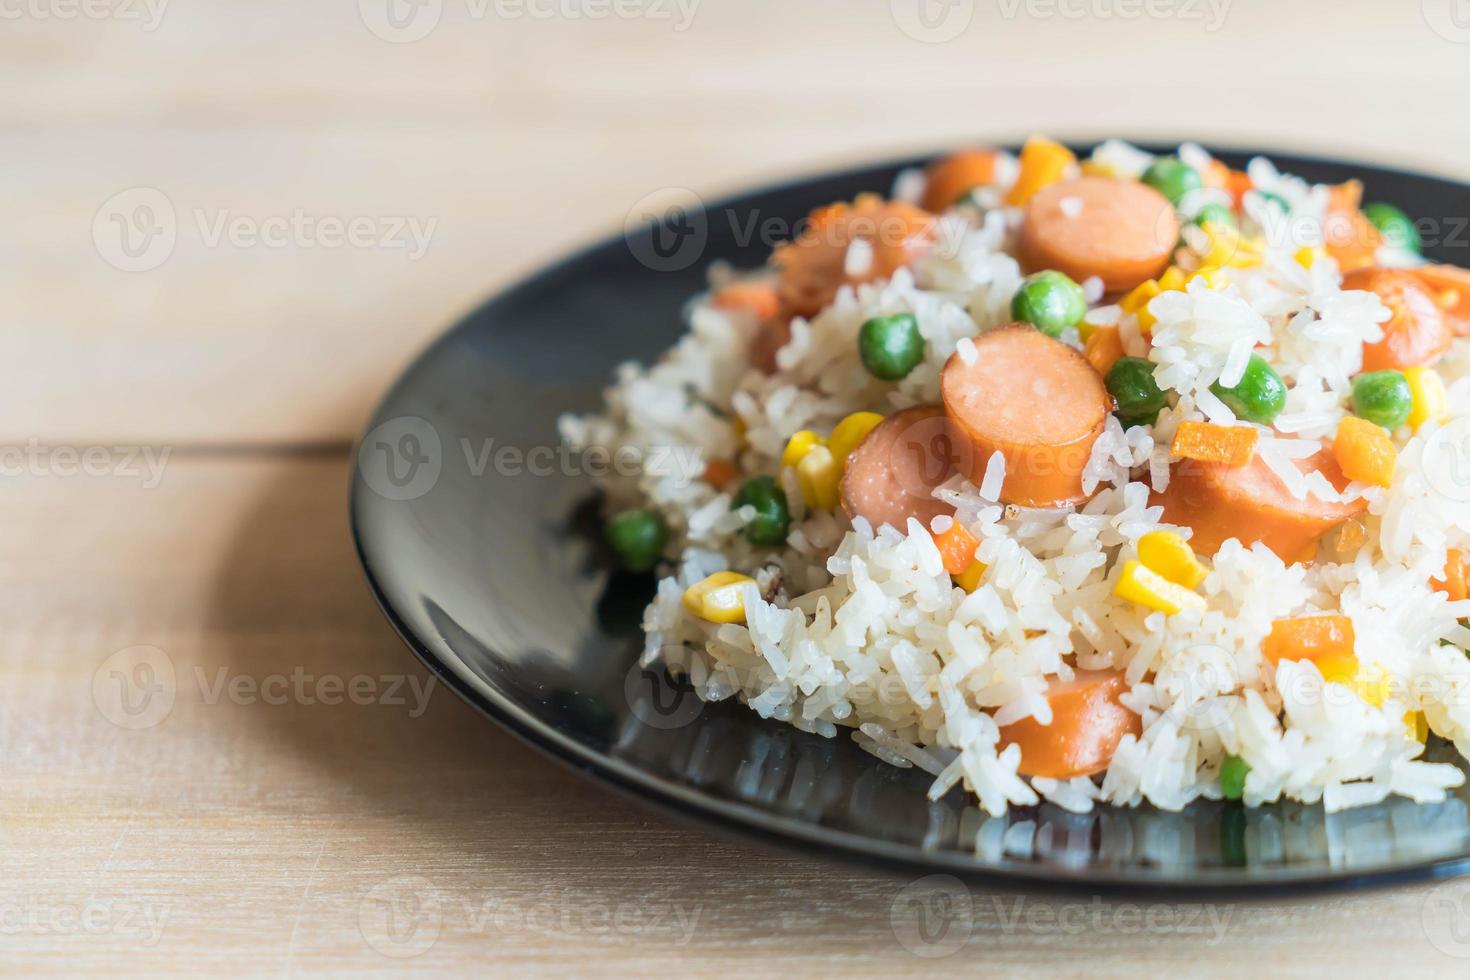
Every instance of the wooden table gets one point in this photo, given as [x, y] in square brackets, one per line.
[176, 454]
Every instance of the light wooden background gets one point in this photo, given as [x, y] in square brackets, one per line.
[241, 837]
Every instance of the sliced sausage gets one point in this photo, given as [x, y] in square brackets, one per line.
[1121, 231]
[815, 265]
[772, 335]
[755, 295]
[955, 176]
[1088, 722]
[1449, 285]
[892, 474]
[1416, 333]
[1251, 503]
[1036, 401]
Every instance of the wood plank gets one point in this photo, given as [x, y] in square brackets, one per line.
[237, 836]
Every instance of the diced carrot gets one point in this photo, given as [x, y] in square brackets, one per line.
[1087, 723]
[1103, 348]
[718, 473]
[1043, 162]
[957, 547]
[1456, 581]
[1364, 451]
[1233, 445]
[1351, 238]
[1237, 182]
[759, 298]
[1342, 543]
[955, 176]
[1216, 175]
[1325, 640]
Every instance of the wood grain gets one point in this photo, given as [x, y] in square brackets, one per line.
[238, 836]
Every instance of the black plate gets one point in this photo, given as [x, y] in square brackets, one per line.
[480, 540]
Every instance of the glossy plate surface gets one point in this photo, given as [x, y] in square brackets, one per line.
[480, 538]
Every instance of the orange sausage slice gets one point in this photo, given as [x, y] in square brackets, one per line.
[773, 334]
[1250, 503]
[814, 266]
[892, 474]
[1036, 401]
[955, 176]
[1449, 285]
[1121, 231]
[1087, 724]
[1416, 333]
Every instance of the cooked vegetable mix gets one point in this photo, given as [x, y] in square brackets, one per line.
[772, 518]
[891, 346]
[1050, 302]
[1054, 530]
[638, 537]
[1259, 396]
[1383, 398]
[1131, 383]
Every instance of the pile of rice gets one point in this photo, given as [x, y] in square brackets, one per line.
[861, 633]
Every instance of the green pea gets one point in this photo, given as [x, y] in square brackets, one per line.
[891, 346]
[1232, 777]
[1172, 178]
[772, 518]
[1383, 398]
[638, 537]
[1215, 213]
[1049, 301]
[1131, 383]
[1396, 226]
[1259, 396]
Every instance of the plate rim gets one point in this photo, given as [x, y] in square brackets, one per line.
[746, 822]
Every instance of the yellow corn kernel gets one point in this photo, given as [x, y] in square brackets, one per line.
[969, 579]
[1171, 556]
[1307, 255]
[1339, 668]
[1096, 168]
[818, 475]
[1172, 280]
[1430, 400]
[1136, 302]
[849, 434]
[1373, 685]
[718, 599]
[1213, 277]
[1227, 247]
[1150, 589]
[1417, 726]
[798, 446]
